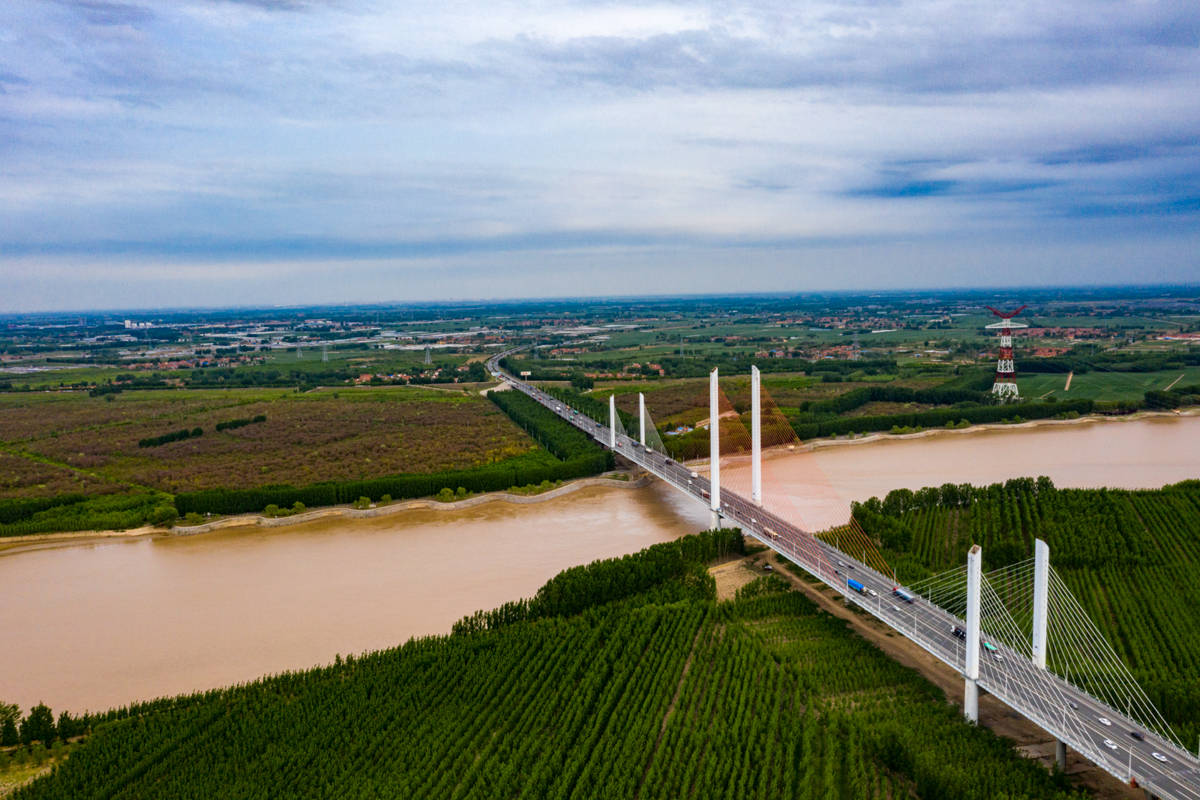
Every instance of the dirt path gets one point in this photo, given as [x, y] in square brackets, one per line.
[1030, 740]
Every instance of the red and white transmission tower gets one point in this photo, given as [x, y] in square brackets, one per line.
[1005, 385]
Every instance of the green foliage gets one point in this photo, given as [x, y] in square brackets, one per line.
[79, 512]
[605, 581]
[38, 726]
[660, 694]
[937, 417]
[174, 436]
[232, 424]
[765, 585]
[10, 715]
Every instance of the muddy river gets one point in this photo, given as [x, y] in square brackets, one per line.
[106, 622]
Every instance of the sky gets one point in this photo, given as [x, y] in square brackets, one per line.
[233, 152]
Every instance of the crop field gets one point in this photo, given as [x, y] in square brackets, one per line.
[659, 692]
[305, 438]
[1118, 551]
[1098, 385]
[23, 477]
[285, 361]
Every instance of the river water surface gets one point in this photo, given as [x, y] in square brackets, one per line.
[106, 622]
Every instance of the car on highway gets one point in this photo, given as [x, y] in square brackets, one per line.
[1105, 721]
[959, 632]
[896, 609]
[1073, 705]
[1138, 735]
[1159, 756]
[695, 474]
[1110, 744]
[993, 651]
[872, 592]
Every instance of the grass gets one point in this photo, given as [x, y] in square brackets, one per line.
[1103, 385]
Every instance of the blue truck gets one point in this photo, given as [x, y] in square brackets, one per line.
[856, 586]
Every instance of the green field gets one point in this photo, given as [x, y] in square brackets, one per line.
[1104, 386]
[624, 679]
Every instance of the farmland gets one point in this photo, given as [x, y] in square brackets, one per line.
[1106, 385]
[305, 438]
[1132, 558]
[621, 679]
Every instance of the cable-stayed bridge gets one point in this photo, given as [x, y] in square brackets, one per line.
[1017, 633]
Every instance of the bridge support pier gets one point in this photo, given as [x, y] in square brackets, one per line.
[714, 449]
[971, 700]
[1060, 755]
[971, 668]
[755, 436]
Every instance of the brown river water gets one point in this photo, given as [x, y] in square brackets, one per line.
[88, 625]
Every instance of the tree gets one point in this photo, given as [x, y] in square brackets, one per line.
[8, 734]
[38, 726]
[68, 726]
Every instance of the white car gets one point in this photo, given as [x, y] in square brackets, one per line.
[872, 592]
[896, 609]
[1110, 744]
[1159, 756]
[1105, 721]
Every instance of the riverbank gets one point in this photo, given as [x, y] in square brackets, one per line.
[8, 544]
[619, 480]
[883, 436]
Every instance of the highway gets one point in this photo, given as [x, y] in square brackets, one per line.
[1065, 711]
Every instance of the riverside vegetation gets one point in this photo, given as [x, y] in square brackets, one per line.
[623, 678]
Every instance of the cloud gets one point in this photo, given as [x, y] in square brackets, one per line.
[535, 132]
[103, 12]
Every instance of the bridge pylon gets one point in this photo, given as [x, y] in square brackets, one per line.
[1041, 589]
[714, 449]
[612, 422]
[755, 436]
[973, 633]
[642, 418]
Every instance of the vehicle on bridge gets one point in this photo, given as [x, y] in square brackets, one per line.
[903, 595]
[856, 586]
